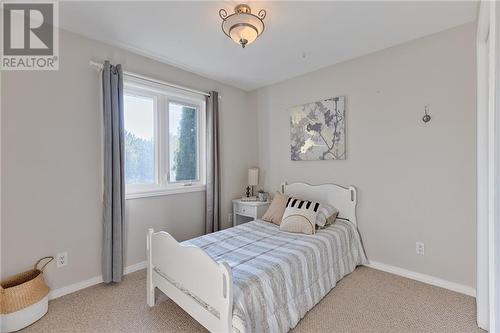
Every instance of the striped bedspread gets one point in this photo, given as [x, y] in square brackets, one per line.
[279, 276]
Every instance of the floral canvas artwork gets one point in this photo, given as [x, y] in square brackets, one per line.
[317, 130]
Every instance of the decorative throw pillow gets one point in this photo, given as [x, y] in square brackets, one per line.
[274, 213]
[326, 215]
[300, 216]
[331, 219]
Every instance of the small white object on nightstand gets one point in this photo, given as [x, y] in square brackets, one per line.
[253, 209]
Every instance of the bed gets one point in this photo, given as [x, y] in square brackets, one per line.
[254, 277]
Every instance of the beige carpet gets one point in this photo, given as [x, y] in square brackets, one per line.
[365, 301]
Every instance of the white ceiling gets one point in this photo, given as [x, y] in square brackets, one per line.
[300, 37]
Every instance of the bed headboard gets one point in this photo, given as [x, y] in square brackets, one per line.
[342, 198]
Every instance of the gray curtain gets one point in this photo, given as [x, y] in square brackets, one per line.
[213, 165]
[114, 184]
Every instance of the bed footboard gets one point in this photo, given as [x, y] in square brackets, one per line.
[187, 275]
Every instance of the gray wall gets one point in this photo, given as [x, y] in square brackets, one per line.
[416, 181]
[51, 163]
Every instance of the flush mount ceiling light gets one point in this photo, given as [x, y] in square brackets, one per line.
[243, 27]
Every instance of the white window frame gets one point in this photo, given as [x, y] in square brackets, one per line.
[163, 95]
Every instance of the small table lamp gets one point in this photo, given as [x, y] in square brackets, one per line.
[253, 179]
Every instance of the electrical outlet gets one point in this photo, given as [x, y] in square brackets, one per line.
[419, 248]
[62, 259]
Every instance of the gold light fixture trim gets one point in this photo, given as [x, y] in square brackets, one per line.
[243, 27]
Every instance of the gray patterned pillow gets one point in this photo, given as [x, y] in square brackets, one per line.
[326, 215]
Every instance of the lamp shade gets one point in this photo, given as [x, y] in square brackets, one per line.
[243, 27]
[253, 176]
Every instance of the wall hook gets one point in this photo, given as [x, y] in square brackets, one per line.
[426, 118]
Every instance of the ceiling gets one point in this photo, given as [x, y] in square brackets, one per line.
[300, 37]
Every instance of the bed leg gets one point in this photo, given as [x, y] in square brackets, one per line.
[150, 289]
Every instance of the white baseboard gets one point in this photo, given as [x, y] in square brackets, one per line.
[91, 282]
[135, 267]
[459, 288]
[55, 293]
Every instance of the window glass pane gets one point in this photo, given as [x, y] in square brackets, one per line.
[139, 139]
[183, 141]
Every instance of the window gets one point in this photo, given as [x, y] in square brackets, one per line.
[183, 141]
[164, 140]
[139, 139]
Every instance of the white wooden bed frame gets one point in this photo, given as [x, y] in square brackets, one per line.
[171, 265]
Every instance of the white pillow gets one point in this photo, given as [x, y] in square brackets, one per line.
[326, 215]
[300, 216]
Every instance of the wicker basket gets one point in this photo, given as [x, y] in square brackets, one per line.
[23, 298]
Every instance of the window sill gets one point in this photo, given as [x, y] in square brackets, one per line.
[164, 191]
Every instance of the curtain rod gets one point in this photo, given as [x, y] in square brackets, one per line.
[99, 66]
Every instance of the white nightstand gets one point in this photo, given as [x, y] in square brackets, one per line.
[253, 209]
